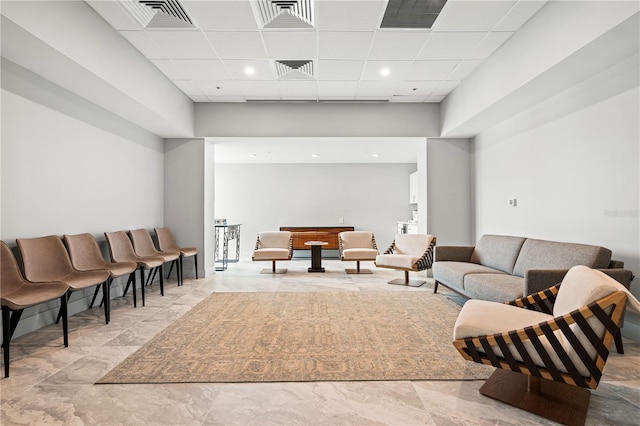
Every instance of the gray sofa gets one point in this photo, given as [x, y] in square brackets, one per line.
[501, 268]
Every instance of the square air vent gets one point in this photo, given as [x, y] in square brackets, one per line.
[284, 14]
[294, 70]
[158, 13]
[411, 13]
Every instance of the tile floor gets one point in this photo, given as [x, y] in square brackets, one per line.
[50, 384]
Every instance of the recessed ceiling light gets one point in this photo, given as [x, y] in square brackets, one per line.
[315, 155]
[249, 70]
[375, 155]
[385, 71]
[253, 155]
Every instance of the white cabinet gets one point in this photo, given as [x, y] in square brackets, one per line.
[413, 188]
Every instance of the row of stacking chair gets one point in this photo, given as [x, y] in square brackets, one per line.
[55, 267]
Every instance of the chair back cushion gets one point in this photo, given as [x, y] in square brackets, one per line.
[274, 239]
[120, 247]
[541, 254]
[357, 239]
[142, 243]
[84, 252]
[10, 276]
[412, 244]
[166, 242]
[497, 251]
[44, 259]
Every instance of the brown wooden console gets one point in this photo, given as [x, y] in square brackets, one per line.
[302, 234]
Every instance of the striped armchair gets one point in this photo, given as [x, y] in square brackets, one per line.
[408, 252]
[549, 348]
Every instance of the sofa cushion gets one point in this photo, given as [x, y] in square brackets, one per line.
[497, 251]
[497, 287]
[453, 273]
[541, 254]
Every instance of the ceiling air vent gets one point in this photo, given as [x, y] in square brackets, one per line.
[285, 13]
[411, 13]
[158, 13]
[295, 70]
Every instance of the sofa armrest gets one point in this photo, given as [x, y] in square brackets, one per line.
[453, 253]
[623, 276]
[536, 280]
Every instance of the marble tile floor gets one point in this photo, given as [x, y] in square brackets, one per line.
[50, 384]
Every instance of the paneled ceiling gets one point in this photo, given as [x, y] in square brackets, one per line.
[316, 50]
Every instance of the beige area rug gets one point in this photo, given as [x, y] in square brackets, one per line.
[284, 337]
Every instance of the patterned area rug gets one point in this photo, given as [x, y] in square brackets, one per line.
[284, 337]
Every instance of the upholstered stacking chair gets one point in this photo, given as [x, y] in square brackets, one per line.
[46, 259]
[86, 255]
[121, 250]
[357, 246]
[143, 246]
[549, 348]
[17, 294]
[273, 246]
[408, 253]
[166, 242]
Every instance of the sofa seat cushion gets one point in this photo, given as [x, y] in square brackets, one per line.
[397, 261]
[453, 273]
[541, 254]
[481, 318]
[271, 254]
[496, 287]
[359, 254]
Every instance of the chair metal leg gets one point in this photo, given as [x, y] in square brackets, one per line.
[161, 280]
[170, 269]
[151, 277]
[15, 318]
[195, 261]
[65, 321]
[106, 297]
[6, 338]
[180, 271]
[95, 294]
[60, 311]
[407, 281]
[142, 284]
[132, 279]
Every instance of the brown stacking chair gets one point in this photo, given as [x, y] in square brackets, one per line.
[46, 259]
[121, 250]
[166, 242]
[143, 246]
[16, 294]
[86, 256]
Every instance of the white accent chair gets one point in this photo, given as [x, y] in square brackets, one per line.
[357, 246]
[408, 252]
[273, 246]
[550, 347]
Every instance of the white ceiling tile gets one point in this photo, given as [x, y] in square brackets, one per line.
[339, 15]
[221, 15]
[376, 89]
[183, 44]
[422, 88]
[445, 88]
[221, 88]
[115, 14]
[471, 15]
[339, 70]
[344, 44]
[435, 99]
[203, 69]
[237, 44]
[333, 89]
[430, 70]
[451, 45]
[518, 15]
[308, 89]
[397, 45]
[145, 44]
[189, 88]
[407, 99]
[463, 70]
[258, 89]
[397, 70]
[489, 45]
[291, 44]
[170, 69]
[262, 67]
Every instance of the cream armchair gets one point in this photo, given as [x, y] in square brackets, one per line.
[273, 246]
[549, 348]
[357, 246]
[408, 252]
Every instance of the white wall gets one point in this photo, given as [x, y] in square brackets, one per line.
[266, 196]
[575, 178]
[70, 167]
